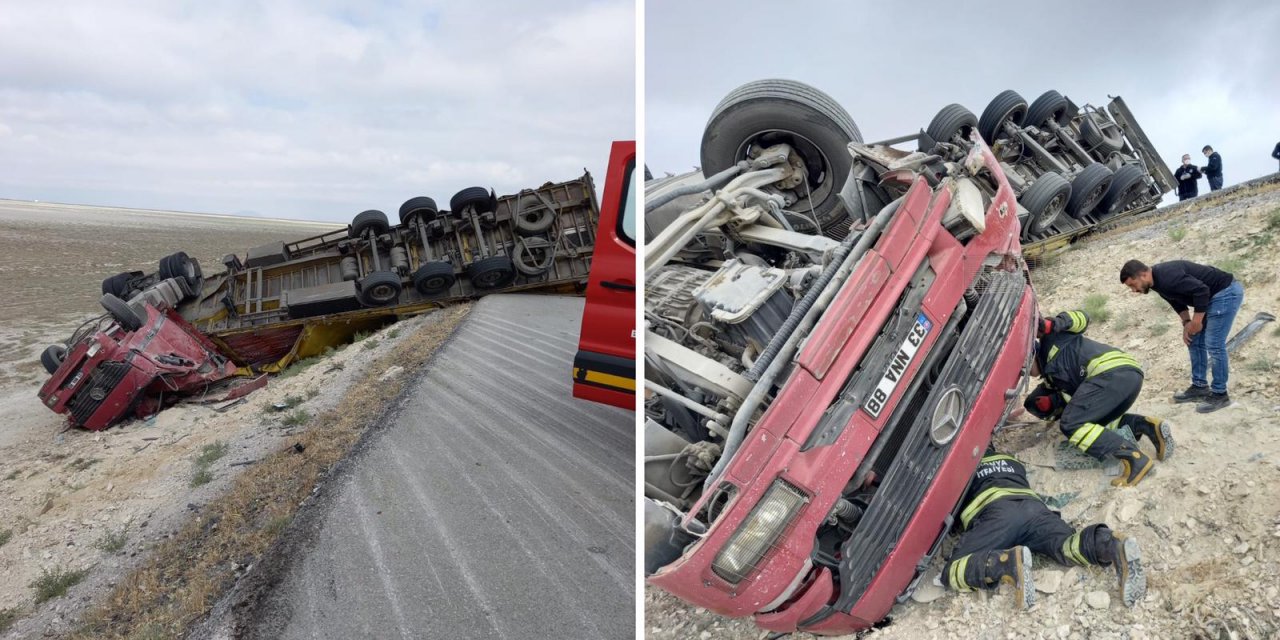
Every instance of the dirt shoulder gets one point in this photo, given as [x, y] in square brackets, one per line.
[162, 515]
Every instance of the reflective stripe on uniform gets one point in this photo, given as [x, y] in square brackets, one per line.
[988, 496]
[999, 456]
[1078, 321]
[1053, 351]
[1071, 549]
[955, 575]
[1084, 436]
[1108, 361]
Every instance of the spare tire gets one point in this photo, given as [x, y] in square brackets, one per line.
[1105, 136]
[419, 208]
[482, 199]
[493, 272]
[121, 312]
[1008, 106]
[53, 357]
[379, 289]
[371, 220]
[1087, 189]
[768, 112]
[534, 256]
[953, 120]
[1049, 106]
[531, 221]
[434, 277]
[1045, 200]
[1126, 186]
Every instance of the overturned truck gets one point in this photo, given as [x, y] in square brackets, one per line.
[179, 333]
[824, 366]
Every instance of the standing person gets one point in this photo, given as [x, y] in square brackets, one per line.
[1207, 300]
[1089, 387]
[1276, 152]
[1213, 171]
[1188, 176]
[1002, 514]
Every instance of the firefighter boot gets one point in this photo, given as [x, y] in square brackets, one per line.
[1123, 554]
[1012, 567]
[1159, 431]
[1134, 466]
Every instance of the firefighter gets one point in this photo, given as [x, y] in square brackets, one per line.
[1004, 521]
[1088, 386]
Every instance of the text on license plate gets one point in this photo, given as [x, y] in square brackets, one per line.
[898, 366]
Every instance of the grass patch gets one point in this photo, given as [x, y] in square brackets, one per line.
[277, 524]
[211, 453]
[298, 366]
[201, 477]
[393, 334]
[1273, 220]
[1262, 364]
[13, 474]
[296, 419]
[1095, 304]
[54, 584]
[312, 393]
[1160, 328]
[113, 542]
[80, 464]
[1231, 265]
[1275, 331]
[372, 343]
[181, 579]
[1176, 234]
[5, 536]
[7, 618]
[360, 336]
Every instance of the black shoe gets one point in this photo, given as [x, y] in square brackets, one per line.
[1134, 466]
[1192, 394]
[1013, 567]
[1214, 402]
[1159, 431]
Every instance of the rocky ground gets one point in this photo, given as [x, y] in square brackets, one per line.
[1208, 519]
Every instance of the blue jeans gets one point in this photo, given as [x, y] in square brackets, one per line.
[1210, 345]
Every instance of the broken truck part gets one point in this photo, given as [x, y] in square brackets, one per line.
[822, 385]
[176, 332]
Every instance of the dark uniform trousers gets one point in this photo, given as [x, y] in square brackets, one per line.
[1098, 407]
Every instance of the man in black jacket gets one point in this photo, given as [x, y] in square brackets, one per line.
[1188, 176]
[1207, 300]
[1089, 387]
[1004, 521]
[1213, 171]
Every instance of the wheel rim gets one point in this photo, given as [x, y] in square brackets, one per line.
[1018, 110]
[1051, 212]
[490, 278]
[382, 292]
[808, 151]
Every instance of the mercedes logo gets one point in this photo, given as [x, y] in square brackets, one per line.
[947, 417]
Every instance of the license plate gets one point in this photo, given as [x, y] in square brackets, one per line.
[898, 366]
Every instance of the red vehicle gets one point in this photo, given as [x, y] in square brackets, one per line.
[604, 369]
[831, 340]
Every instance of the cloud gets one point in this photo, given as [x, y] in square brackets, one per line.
[307, 109]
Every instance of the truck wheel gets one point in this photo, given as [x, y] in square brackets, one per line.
[533, 256]
[953, 120]
[379, 289]
[1105, 135]
[118, 285]
[767, 112]
[419, 208]
[1049, 106]
[122, 313]
[180, 265]
[491, 273]
[369, 220]
[1008, 106]
[1087, 189]
[1045, 200]
[53, 357]
[482, 199]
[1126, 186]
[532, 222]
[433, 277]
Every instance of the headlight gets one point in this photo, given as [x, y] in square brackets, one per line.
[759, 531]
[948, 414]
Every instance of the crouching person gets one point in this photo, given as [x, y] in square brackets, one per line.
[1088, 387]
[1004, 521]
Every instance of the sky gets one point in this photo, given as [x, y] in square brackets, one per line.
[1193, 73]
[307, 109]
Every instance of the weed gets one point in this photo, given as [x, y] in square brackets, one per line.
[113, 542]
[201, 477]
[359, 336]
[54, 584]
[276, 525]
[1160, 328]
[1095, 304]
[1231, 264]
[13, 474]
[211, 453]
[393, 334]
[1263, 364]
[292, 401]
[1177, 233]
[295, 419]
[312, 393]
[297, 367]
[7, 618]
[80, 464]
[372, 343]
[1276, 330]
[5, 536]
[1273, 220]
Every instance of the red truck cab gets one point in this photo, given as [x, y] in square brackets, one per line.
[604, 369]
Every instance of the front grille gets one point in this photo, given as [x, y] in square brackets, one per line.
[912, 471]
[102, 381]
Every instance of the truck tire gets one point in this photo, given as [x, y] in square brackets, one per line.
[767, 112]
[1087, 189]
[379, 289]
[180, 265]
[122, 313]
[493, 272]
[1106, 137]
[1045, 200]
[1049, 106]
[419, 208]
[371, 220]
[951, 121]
[533, 256]
[532, 222]
[482, 199]
[53, 357]
[118, 285]
[1008, 106]
[1126, 186]
[434, 277]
